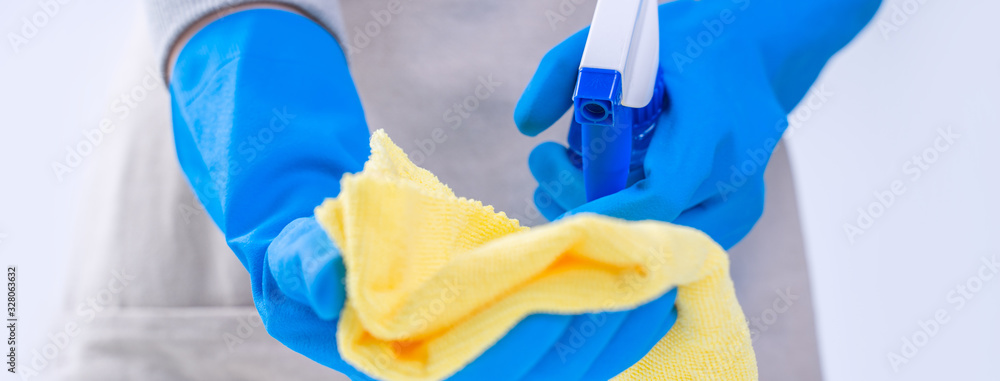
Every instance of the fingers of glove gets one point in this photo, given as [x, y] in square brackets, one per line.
[728, 217]
[550, 92]
[583, 341]
[515, 354]
[557, 176]
[680, 157]
[706, 113]
[641, 201]
[644, 327]
[307, 267]
[296, 325]
[547, 205]
[560, 183]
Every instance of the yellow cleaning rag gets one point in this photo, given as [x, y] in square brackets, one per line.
[433, 280]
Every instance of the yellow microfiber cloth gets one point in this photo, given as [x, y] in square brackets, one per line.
[433, 280]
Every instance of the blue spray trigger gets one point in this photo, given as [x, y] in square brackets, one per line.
[616, 136]
[604, 122]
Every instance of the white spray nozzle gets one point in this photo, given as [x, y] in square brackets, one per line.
[624, 37]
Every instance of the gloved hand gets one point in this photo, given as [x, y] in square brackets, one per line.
[733, 71]
[266, 122]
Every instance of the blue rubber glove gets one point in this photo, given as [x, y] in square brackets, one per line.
[733, 71]
[266, 122]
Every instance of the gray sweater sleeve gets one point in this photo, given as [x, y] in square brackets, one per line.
[168, 19]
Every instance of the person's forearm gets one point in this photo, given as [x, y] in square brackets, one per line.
[257, 102]
[266, 121]
[814, 19]
[185, 36]
[800, 36]
[173, 22]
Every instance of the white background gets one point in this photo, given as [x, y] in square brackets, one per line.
[891, 93]
[51, 90]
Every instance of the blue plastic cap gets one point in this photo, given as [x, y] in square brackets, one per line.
[598, 92]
